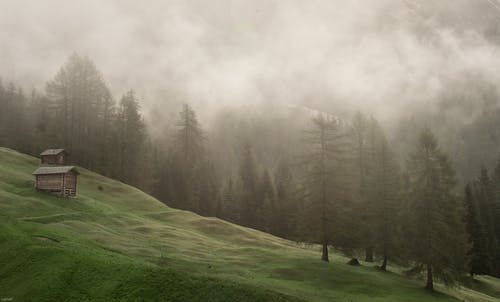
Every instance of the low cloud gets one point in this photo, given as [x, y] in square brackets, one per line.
[383, 56]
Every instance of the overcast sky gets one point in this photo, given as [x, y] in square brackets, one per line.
[379, 54]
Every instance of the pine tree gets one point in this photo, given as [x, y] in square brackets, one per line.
[14, 129]
[131, 139]
[40, 124]
[249, 182]
[439, 240]
[496, 218]
[266, 194]
[204, 188]
[188, 156]
[480, 262]
[286, 203]
[363, 138]
[385, 196]
[485, 193]
[190, 138]
[79, 100]
[230, 210]
[322, 180]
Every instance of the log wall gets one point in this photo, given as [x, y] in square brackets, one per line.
[51, 182]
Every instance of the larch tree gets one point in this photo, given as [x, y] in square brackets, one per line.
[322, 180]
[385, 196]
[80, 99]
[438, 241]
[362, 136]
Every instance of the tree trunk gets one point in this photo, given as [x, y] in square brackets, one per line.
[369, 254]
[324, 255]
[430, 283]
[383, 267]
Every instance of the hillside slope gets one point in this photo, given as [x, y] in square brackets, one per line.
[114, 242]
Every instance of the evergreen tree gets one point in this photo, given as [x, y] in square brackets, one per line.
[131, 139]
[41, 123]
[79, 100]
[285, 219]
[363, 138]
[14, 125]
[249, 182]
[189, 139]
[266, 196]
[204, 188]
[480, 262]
[496, 219]
[384, 196]
[438, 239]
[230, 210]
[323, 180]
[484, 192]
[188, 156]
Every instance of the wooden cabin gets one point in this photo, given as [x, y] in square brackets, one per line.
[57, 180]
[54, 156]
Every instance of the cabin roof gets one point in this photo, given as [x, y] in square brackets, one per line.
[54, 170]
[52, 152]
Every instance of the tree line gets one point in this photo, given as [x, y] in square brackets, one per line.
[326, 181]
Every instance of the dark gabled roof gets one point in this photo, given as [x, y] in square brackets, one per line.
[52, 152]
[54, 170]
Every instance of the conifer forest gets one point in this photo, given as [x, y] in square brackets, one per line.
[365, 133]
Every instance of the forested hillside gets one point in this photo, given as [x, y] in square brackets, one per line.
[359, 137]
[115, 243]
[318, 178]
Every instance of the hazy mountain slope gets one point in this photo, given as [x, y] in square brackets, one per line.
[116, 242]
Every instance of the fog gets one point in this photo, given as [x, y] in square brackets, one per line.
[381, 56]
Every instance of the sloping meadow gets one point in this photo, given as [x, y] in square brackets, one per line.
[114, 242]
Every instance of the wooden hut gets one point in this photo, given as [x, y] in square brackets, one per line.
[54, 156]
[57, 180]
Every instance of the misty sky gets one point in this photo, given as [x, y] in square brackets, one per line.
[381, 54]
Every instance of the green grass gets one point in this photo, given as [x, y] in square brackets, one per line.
[120, 244]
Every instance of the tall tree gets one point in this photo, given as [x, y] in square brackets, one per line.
[480, 262]
[204, 188]
[14, 123]
[188, 155]
[131, 139]
[189, 139]
[439, 240]
[230, 210]
[80, 99]
[363, 135]
[286, 203]
[267, 197]
[385, 196]
[496, 219]
[249, 182]
[322, 179]
[484, 190]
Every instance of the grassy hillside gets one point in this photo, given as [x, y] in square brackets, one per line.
[114, 242]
